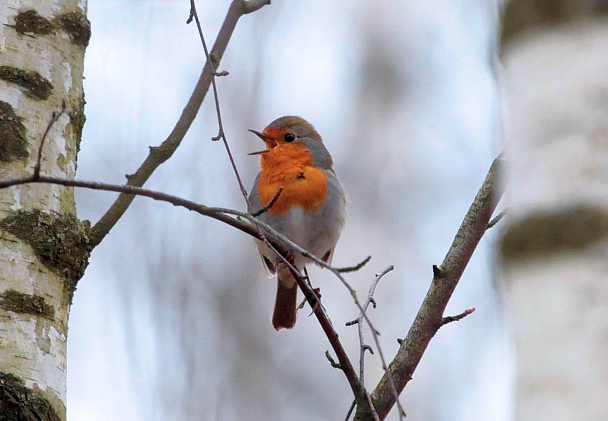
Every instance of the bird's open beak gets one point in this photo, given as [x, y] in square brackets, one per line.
[270, 142]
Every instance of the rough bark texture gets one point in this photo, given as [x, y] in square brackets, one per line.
[555, 245]
[43, 247]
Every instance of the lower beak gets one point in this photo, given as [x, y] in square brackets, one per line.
[270, 142]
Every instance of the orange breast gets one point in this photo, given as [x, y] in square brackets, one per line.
[290, 167]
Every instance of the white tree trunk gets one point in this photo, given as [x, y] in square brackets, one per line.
[555, 247]
[43, 247]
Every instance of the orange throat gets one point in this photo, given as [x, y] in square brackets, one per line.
[291, 167]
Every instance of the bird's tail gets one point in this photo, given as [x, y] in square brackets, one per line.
[284, 316]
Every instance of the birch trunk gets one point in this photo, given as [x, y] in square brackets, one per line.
[555, 248]
[43, 247]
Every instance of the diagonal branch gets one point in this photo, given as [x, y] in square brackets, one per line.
[160, 154]
[430, 316]
[362, 397]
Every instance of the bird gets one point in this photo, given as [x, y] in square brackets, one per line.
[310, 208]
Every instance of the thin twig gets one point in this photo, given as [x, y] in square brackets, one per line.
[362, 346]
[212, 69]
[350, 410]
[375, 333]
[368, 301]
[356, 267]
[361, 395]
[54, 117]
[450, 319]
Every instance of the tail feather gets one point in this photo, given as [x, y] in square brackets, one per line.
[284, 316]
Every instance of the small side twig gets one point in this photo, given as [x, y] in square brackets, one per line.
[356, 267]
[450, 319]
[497, 218]
[269, 205]
[54, 117]
[333, 362]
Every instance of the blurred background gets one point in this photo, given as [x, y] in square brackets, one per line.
[171, 321]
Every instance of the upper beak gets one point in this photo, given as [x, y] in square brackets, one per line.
[270, 142]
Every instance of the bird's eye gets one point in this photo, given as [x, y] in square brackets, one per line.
[289, 137]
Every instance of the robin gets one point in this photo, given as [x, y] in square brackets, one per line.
[309, 210]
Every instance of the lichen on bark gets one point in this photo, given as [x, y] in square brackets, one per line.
[34, 84]
[13, 145]
[30, 22]
[60, 241]
[74, 23]
[26, 303]
[77, 26]
[19, 403]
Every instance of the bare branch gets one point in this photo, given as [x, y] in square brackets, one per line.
[280, 244]
[430, 316]
[160, 154]
[213, 212]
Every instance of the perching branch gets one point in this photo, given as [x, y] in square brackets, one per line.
[160, 154]
[278, 242]
[362, 397]
[430, 316]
